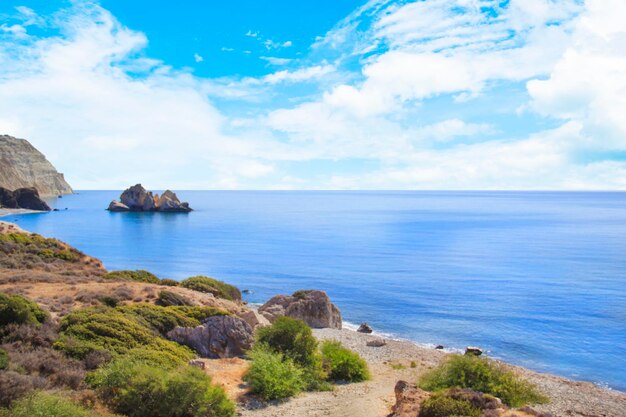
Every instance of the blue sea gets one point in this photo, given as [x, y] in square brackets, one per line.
[535, 278]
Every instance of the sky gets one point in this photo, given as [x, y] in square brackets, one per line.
[325, 94]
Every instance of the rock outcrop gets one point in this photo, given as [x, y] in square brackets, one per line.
[23, 166]
[408, 399]
[311, 306]
[22, 198]
[217, 337]
[365, 328]
[136, 198]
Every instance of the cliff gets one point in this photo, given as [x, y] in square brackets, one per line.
[21, 165]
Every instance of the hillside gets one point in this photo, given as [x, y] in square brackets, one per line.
[21, 165]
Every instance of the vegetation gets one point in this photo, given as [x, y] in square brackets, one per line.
[28, 250]
[441, 405]
[343, 363]
[290, 337]
[113, 330]
[169, 298]
[137, 389]
[482, 375]
[17, 309]
[212, 286]
[161, 319]
[4, 359]
[139, 276]
[40, 404]
[286, 360]
[273, 376]
[169, 282]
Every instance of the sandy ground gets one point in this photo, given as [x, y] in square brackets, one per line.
[393, 362]
[8, 212]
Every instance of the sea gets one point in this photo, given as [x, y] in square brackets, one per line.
[537, 279]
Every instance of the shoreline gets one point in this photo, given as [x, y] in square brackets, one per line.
[8, 212]
[406, 360]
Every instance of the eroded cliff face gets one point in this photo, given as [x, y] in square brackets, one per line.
[21, 165]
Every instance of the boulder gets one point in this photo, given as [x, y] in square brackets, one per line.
[150, 203]
[134, 197]
[376, 343]
[408, 399]
[217, 337]
[439, 347]
[23, 198]
[472, 350]
[254, 319]
[117, 206]
[364, 328]
[311, 306]
[169, 202]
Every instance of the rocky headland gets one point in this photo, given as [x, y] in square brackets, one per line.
[22, 198]
[80, 319]
[23, 166]
[137, 198]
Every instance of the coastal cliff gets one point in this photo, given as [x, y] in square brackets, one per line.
[22, 166]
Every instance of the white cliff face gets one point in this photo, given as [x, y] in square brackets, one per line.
[21, 166]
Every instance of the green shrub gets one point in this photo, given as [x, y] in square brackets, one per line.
[106, 329]
[199, 312]
[162, 319]
[41, 404]
[291, 337]
[4, 359]
[139, 276]
[17, 309]
[273, 376]
[440, 405]
[109, 300]
[482, 375]
[169, 298]
[139, 390]
[169, 282]
[343, 363]
[212, 286]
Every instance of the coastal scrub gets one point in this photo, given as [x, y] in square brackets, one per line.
[344, 364]
[212, 286]
[16, 309]
[483, 375]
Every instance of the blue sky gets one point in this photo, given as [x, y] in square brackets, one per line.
[429, 94]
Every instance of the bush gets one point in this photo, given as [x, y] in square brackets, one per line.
[109, 301]
[14, 386]
[343, 363]
[212, 286]
[440, 405]
[41, 404]
[273, 376]
[169, 298]
[139, 276]
[139, 390]
[199, 313]
[291, 337]
[482, 375]
[4, 359]
[107, 329]
[161, 319]
[18, 310]
[169, 282]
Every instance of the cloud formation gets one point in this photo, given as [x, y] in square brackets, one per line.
[434, 94]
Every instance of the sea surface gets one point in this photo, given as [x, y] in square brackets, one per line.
[535, 278]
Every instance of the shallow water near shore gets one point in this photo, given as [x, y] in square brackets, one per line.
[536, 278]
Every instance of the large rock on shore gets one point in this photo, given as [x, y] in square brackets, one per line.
[22, 198]
[409, 399]
[217, 337]
[311, 306]
[136, 198]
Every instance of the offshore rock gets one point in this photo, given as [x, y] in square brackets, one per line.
[311, 306]
[136, 198]
[217, 337]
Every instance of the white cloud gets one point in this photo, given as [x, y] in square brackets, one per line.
[197, 57]
[303, 74]
[275, 60]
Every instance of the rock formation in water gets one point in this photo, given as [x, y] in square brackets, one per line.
[22, 198]
[23, 166]
[311, 306]
[136, 198]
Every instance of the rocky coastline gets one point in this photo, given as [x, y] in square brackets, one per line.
[138, 199]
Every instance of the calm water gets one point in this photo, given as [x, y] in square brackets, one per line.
[537, 279]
